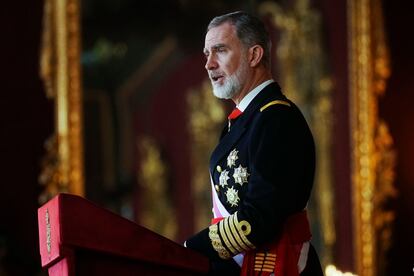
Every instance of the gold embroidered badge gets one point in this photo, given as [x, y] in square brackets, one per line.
[232, 197]
[231, 159]
[224, 176]
[240, 175]
[216, 242]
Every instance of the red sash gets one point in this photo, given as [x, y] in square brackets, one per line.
[282, 256]
[216, 220]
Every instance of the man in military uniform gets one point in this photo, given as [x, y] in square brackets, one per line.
[262, 170]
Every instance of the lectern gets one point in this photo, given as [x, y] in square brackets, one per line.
[78, 237]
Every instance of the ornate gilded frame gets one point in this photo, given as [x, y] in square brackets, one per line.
[372, 154]
[61, 73]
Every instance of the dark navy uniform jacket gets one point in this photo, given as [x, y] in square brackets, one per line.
[263, 171]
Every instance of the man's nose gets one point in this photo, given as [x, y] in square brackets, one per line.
[211, 64]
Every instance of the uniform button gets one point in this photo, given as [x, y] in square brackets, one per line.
[217, 188]
[218, 168]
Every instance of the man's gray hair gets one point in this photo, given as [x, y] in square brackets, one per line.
[250, 30]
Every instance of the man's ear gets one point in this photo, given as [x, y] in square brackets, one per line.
[255, 55]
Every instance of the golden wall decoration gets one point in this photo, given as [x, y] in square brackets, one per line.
[305, 79]
[125, 94]
[206, 119]
[373, 158]
[60, 71]
[157, 210]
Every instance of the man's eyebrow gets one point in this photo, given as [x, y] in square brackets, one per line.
[214, 47]
[217, 46]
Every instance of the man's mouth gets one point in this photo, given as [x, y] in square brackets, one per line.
[216, 78]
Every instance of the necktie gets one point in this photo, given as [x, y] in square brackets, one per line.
[234, 114]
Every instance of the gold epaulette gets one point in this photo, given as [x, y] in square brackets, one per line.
[273, 103]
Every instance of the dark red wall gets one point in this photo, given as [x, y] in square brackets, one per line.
[396, 107]
[25, 123]
[334, 16]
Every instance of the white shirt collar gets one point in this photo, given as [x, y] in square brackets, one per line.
[244, 103]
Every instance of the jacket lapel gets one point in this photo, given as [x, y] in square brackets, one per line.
[272, 91]
[226, 143]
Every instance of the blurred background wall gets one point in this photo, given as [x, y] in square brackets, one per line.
[27, 117]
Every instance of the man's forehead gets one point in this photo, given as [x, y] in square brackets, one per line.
[222, 34]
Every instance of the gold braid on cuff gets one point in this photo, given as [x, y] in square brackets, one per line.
[216, 242]
[243, 229]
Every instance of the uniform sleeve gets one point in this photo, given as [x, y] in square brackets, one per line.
[281, 165]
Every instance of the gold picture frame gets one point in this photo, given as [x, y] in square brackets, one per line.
[61, 74]
[372, 153]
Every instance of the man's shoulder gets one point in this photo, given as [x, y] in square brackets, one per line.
[275, 104]
[276, 107]
[279, 112]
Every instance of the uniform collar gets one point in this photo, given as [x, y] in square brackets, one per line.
[244, 103]
[229, 138]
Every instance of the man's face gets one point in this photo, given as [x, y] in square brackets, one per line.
[226, 61]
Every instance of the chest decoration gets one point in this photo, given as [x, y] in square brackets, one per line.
[231, 179]
[240, 175]
[224, 176]
[232, 197]
[231, 159]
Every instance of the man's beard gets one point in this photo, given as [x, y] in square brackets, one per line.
[232, 84]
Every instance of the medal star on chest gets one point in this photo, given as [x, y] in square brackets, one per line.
[240, 175]
[224, 176]
[231, 159]
[232, 197]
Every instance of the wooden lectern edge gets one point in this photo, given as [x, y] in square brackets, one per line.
[64, 249]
